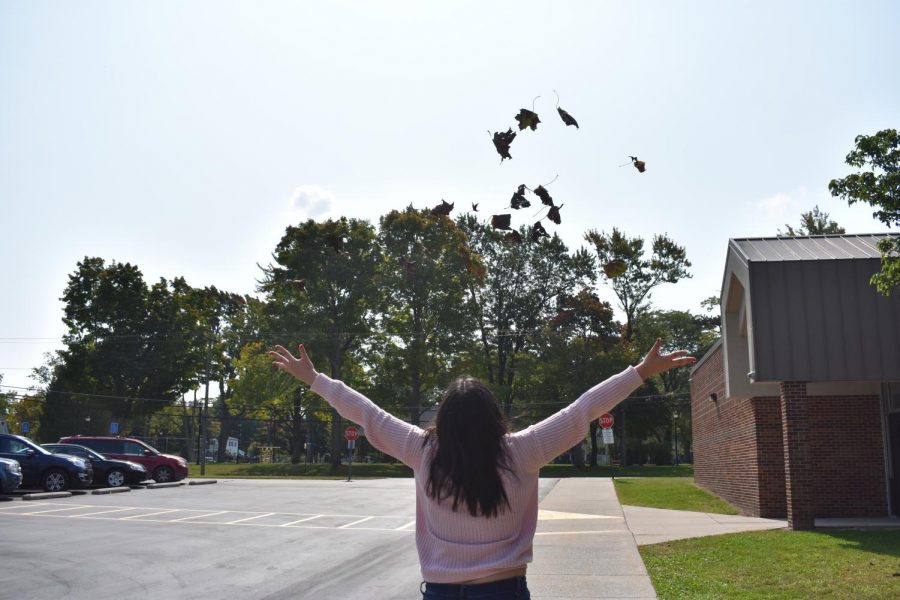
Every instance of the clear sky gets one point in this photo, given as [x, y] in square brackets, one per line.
[185, 136]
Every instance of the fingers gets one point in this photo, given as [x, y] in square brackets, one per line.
[303, 354]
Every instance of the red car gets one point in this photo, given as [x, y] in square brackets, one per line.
[161, 467]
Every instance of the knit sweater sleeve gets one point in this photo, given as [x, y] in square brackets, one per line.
[543, 441]
[383, 430]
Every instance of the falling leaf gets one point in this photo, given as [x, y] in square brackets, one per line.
[513, 236]
[638, 164]
[442, 209]
[553, 214]
[527, 118]
[501, 221]
[409, 266]
[563, 317]
[567, 118]
[538, 231]
[518, 199]
[615, 268]
[542, 193]
[336, 241]
[502, 142]
[475, 206]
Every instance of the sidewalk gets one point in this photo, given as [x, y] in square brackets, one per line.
[586, 541]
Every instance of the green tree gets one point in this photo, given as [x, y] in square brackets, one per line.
[814, 222]
[427, 316]
[638, 274]
[123, 358]
[321, 291]
[879, 186]
[523, 283]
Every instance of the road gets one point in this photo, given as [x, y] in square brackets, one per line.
[259, 539]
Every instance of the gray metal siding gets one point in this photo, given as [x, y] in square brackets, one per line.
[816, 247]
[817, 320]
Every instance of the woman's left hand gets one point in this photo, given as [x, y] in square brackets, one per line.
[301, 368]
[655, 363]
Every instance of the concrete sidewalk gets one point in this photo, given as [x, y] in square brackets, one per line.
[586, 542]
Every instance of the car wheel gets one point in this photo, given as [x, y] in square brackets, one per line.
[115, 478]
[163, 474]
[55, 480]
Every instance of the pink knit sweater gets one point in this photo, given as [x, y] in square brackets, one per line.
[454, 546]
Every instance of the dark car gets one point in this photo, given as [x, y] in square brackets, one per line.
[107, 471]
[43, 469]
[162, 467]
[10, 475]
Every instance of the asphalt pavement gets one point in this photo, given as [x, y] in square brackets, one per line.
[279, 539]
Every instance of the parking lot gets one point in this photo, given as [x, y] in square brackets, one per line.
[237, 538]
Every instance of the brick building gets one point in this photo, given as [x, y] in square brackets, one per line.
[796, 409]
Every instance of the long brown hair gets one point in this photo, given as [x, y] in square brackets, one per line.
[471, 450]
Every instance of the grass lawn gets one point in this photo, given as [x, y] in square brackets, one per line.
[300, 471]
[678, 493]
[778, 564]
[380, 470]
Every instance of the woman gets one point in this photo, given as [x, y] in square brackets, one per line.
[476, 483]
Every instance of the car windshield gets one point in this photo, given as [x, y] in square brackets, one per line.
[76, 451]
[24, 444]
[145, 444]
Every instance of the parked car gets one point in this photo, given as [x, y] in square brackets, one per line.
[10, 475]
[162, 467]
[43, 469]
[107, 471]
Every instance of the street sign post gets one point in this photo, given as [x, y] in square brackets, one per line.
[25, 426]
[606, 420]
[350, 434]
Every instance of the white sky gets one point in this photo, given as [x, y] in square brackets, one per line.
[185, 136]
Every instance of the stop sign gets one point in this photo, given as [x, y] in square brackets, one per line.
[606, 420]
[351, 433]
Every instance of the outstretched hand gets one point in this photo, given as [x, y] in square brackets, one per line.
[655, 363]
[301, 368]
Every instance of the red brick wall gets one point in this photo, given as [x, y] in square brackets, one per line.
[847, 452]
[739, 449]
[770, 456]
[725, 457]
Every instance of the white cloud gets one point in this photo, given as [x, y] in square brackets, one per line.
[777, 205]
[313, 200]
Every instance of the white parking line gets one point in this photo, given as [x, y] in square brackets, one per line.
[404, 527]
[212, 514]
[101, 512]
[41, 512]
[250, 518]
[356, 523]
[161, 512]
[301, 520]
[20, 505]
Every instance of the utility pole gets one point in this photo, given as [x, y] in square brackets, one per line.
[205, 413]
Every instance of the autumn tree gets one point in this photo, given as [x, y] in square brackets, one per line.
[519, 294]
[814, 222]
[321, 292]
[878, 185]
[632, 274]
[426, 315]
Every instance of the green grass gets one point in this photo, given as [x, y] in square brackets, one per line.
[631, 471]
[381, 470]
[678, 493]
[301, 471]
[778, 565]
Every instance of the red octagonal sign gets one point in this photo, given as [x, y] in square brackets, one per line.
[351, 433]
[606, 420]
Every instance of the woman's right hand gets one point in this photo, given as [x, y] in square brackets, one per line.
[301, 368]
[655, 362]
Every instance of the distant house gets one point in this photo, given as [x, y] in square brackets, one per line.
[796, 409]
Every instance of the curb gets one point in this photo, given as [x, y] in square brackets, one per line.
[154, 486]
[202, 481]
[113, 490]
[46, 495]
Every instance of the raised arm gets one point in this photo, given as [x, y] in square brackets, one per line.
[554, 435]
[385, 431]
